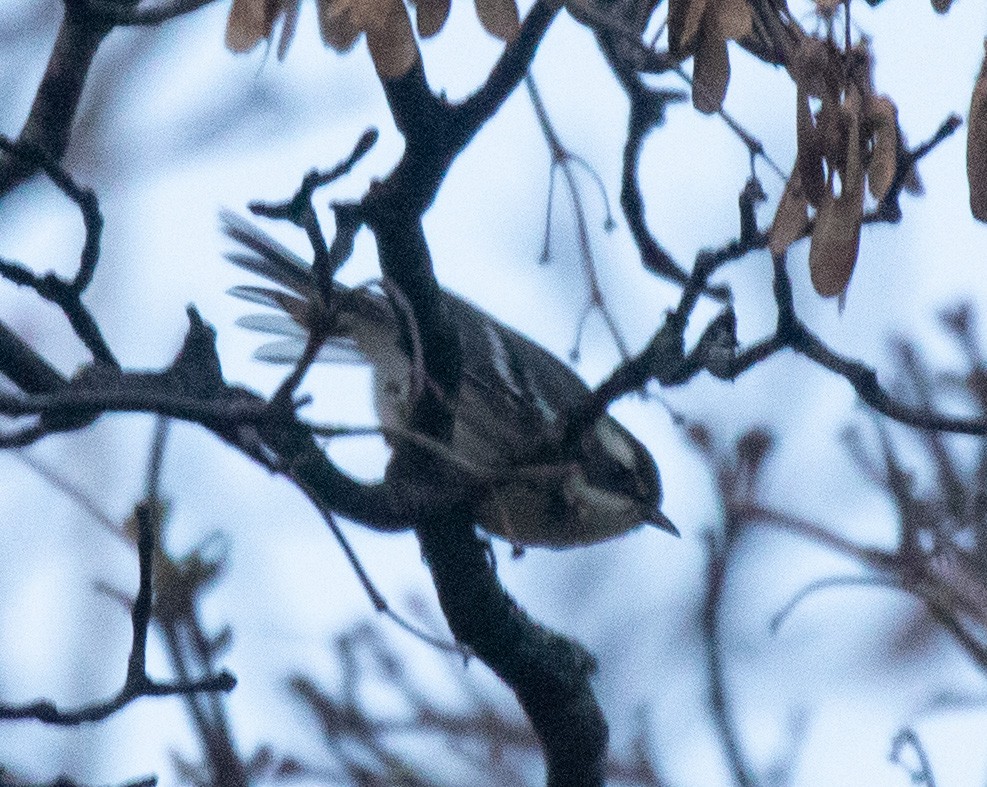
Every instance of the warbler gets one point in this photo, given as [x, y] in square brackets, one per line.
[515, 402]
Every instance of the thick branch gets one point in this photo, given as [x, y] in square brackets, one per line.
[548, 673]
[189, 392]
[126, 12]
[436, 132]
[49, 123]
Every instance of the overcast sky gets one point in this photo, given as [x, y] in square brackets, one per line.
[174, 128]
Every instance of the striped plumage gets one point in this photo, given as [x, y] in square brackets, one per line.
[514, 402]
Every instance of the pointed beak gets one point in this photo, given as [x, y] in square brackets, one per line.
[662, 522]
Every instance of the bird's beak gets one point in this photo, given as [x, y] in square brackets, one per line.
[662, 522]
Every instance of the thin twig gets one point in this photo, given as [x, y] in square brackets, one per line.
[65, 294]
[908, 739]
[563, 159]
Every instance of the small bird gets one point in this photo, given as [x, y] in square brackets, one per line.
[514, 404]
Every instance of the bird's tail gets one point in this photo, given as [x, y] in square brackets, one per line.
[354, 312]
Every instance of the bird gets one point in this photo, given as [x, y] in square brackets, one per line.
[536, 487]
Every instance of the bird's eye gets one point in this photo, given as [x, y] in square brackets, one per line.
[604, 470]
[613, 460]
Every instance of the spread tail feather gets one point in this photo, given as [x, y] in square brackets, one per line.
[270, 259]
[263, 256]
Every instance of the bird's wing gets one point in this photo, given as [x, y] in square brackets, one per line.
[515, 396]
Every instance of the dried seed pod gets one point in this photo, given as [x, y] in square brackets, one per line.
[976, 145]
[882, 121]
[792, 217]
[812, 67]
[340, 24]
[734, 18]
[711, 71]
[430, 16]
[809, 160]
[724, 20]
[941, 6]
[836, 237]
[684, 18]
[249, 22]
[390, 40]
[499, 18]
[833, 129]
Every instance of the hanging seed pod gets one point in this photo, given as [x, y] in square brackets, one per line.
[430, 16]
[684, 17]
[702, 28]
[724, 20]
[976, 145]
[340, 25]
[809, 160]
[882, 120]
[711, 71]
[792, 217]
[390, 40]
[734, 19]
[249, 22]
[941, 6]
[814, 67]
[836, 237]
[499, 18]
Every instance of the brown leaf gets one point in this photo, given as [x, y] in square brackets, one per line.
[499, 18]
[249, 22]
[430, 16]
[976, 146]
[836, 237]
[882, 118]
